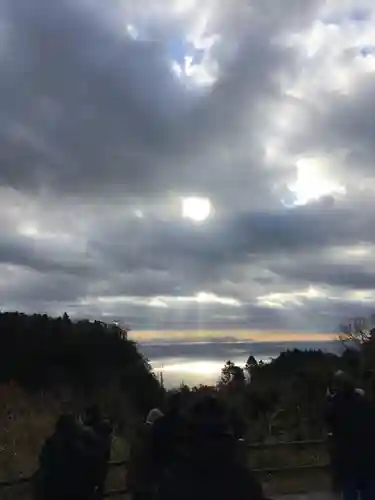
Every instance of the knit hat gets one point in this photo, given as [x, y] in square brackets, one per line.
[153, 415]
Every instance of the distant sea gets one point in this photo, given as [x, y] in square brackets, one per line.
[195, 363]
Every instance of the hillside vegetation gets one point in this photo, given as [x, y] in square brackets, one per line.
[285, 398]
[53, 365]
[38, 352]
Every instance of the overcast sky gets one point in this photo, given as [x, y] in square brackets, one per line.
[114, 113]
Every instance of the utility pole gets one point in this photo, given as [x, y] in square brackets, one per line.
[161, 377]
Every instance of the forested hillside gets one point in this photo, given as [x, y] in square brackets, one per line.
[39, 352]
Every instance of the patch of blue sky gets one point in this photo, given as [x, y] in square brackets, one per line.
[367, 50]
[179, 49]
[184, 55]
[176, 49]
[356, 14]
[360, 14]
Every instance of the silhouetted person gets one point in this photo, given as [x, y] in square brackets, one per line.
[351, 423]
[167, 434]
[104, 432]
[237, 423]
[335, 478]
[101, 440]
[142, 473]
[65, 464]
[211, 468]
[92, 416]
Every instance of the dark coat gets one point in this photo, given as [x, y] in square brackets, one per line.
[140, 472]
[167, 439]
[68, 466]
[210, 469]
[351, 422]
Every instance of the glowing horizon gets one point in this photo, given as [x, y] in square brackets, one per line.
[237, 335]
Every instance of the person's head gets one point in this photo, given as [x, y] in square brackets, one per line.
[105, 428]
[208, 408]
[210, 432]
[92, 415]
[174, 403]
[208, 416]
[66, 424]
[153, 415]
[342, 382]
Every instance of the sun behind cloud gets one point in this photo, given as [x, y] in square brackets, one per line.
[196, 209]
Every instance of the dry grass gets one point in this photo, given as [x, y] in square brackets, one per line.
[291, 456]
[303, 482]
[26, 420]
[293, 481]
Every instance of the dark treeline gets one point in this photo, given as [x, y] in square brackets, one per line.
[285, 398]
[281, 399]
[40, 352]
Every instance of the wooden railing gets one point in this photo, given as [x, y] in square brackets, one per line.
[253, 446]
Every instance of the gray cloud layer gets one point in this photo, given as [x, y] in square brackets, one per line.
[100, 139]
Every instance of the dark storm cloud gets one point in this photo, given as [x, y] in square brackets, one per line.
[38, 290]
[346, 128]
[232, 239]
[330, 314]
[85, 108]
[82, 108]
[42, 256]
[346, 275]
[153, 247]
[170, 261]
